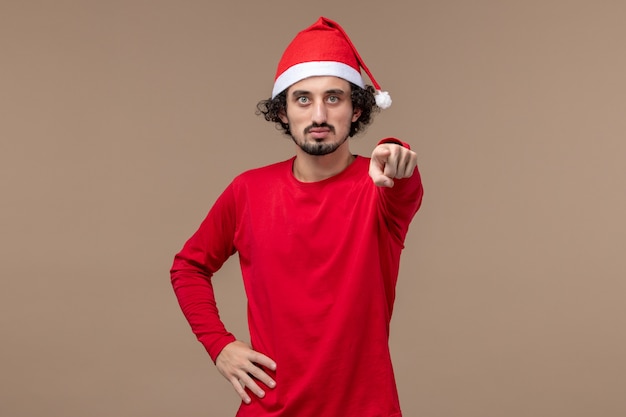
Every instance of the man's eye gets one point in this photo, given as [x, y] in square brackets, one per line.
[333, 99]
[303, 100]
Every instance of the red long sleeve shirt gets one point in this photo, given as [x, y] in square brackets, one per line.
[319, 262]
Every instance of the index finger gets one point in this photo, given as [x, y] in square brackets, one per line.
[391, 166]
[378, 176]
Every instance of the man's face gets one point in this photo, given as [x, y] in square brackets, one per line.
[319, 113]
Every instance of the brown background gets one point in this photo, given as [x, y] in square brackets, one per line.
[121, 121]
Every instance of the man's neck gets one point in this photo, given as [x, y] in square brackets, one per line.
[312, 168]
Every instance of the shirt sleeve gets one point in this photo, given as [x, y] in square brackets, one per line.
[193, 268]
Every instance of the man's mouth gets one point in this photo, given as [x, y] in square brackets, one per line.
[319, 132]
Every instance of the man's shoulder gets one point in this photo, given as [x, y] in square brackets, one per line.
[272, 171]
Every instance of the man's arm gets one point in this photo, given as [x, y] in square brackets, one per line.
[393, 168]
[201, 256]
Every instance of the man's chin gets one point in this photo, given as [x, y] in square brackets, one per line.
[319, 149]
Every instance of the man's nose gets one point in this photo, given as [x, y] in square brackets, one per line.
[319, 113]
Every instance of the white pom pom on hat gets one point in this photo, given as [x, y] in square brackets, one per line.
[324, 49]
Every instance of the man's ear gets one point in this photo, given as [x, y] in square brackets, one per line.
[356, 114]
[283, 116]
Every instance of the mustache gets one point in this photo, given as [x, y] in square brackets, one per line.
[318, 125]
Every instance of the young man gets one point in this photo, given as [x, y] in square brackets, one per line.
[319, 238]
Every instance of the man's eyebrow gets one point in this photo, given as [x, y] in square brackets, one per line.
[305, 92]
[300, 93]
[335, 91]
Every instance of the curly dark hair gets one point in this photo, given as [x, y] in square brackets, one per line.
[362, 98]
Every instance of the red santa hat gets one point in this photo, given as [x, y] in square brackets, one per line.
[324, 49]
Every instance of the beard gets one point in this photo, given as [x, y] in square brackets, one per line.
[320, 148]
